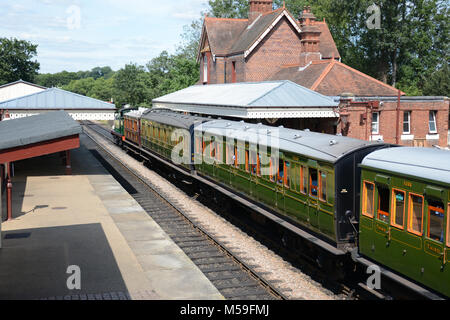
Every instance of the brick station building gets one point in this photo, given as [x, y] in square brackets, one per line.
[274, 45]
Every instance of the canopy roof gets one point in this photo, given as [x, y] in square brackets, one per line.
[34, 129]
[269, 99]
[55, 99]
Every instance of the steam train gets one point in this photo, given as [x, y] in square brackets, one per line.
[378, 203]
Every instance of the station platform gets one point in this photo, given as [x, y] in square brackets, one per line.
[89, 221]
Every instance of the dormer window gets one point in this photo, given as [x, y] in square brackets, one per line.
[205, 68]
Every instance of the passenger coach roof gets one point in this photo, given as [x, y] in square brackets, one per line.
[313, 145]
[172, 118]
[425, 163]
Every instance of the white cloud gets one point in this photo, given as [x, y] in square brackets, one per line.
[112, 32]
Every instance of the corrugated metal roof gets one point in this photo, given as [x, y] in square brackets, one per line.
[34, 129]
[249, 94]
[21, 82]
[172, 118]
[54, 99]
[314, 145]
[426, 163]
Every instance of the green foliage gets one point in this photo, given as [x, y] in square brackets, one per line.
[410, 51]
[63, 78]
[228, 8]
[16, 60]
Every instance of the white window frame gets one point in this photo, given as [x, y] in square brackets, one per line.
[434, 113]
[205, 68]
[409, 122]
[377, 131]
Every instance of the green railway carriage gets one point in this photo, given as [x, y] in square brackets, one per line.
[118, 128]
[405, 212]
[312, 181]
[168, 134]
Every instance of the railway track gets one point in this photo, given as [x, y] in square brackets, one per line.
[351, 288]
[235, 279]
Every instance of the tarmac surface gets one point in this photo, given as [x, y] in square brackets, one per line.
[87, 222]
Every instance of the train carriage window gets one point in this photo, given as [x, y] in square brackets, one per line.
[197, 145]
[280, 175]
[212, 150]
[383, 203]
[219, 153]
[448, 225]
[436, 220]
[258, 168]
[368, 199]
[415, 214]
[398, 208]
[287, 171]
[323, 186]
[304, 177]
[272, 169]
[313, 182]
[253, 162]
[230, 155]
[247, 165]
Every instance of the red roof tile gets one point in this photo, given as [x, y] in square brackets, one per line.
[332, 78]
[231, 36]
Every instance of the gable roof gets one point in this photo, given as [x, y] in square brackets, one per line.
[327, 46]
[332, 78]
[235, 36]
[55, 99]
[249, 94]
[250, 100]
[222, 33]
[22, 82]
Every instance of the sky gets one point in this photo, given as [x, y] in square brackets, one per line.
[76, 35]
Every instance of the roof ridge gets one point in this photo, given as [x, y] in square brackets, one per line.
[369, 77]
[283, 12]
[54, 89]
[22, 81]
[227, 19]
[323, 75]
[282, 82]
[273, 11]
[285, 66]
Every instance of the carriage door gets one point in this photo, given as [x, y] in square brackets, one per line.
[314, 197]
[435, 231]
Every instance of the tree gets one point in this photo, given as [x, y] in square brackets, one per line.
[16, 60]
[82, 86]
[131, 85]
[228, 8]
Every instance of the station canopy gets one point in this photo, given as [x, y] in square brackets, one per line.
[38, 135]
[251, 100]
[78, 106]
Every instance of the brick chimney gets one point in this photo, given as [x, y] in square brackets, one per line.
[310, 43]
[258, 7]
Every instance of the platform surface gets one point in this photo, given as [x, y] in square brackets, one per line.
[88, 220]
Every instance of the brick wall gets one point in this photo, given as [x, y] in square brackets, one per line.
[240, 68]
[281, 47]
[356, 122]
